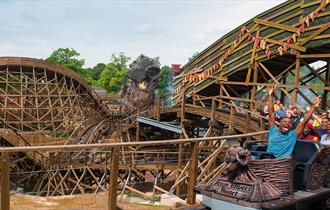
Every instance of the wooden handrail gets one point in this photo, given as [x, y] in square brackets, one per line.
[113, 176]
[124, 144]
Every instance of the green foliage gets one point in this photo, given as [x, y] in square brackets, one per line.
[95, 72]
[193, 56]
[165, 81]
[69, 58]
[113, 76]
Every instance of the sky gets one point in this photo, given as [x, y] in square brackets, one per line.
[172, 30]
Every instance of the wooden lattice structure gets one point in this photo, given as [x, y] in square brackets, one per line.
[267, 49]
[37, 95]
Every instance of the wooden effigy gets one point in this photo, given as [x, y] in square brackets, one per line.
[239, 181]
[267, 183]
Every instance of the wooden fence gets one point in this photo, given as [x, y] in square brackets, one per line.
[114, 150]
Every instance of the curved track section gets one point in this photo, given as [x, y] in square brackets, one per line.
[37, 95]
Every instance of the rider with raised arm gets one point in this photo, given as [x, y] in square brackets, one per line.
[282, 139]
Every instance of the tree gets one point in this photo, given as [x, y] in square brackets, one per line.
[193, 56]
[95, 72]
[165, 81]
[69, 58]
[113, 76]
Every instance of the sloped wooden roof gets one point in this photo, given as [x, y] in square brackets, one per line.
[279, 27]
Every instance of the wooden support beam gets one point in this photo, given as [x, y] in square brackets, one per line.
[183, 135]
[137, 191]
[237, 99]
[278, 85]
[293, 46]
[183, 106]
[214, 173]
[112, 202]
[252, 59]
[220, 94]
[213, 109]
[315, 34]
[5, 180]
[325, 96]
[138, 126]
[304, 97]
[193, 172]
[326, 55]
[157, 107]
[296, 80]
[315, 72]
[254, 87]
[274, 79]
[211, 160]
[160, 189]
[275, 25]
[181, 177]
[231, 120]
[234, 91]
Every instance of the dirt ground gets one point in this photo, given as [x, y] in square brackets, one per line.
[74, 202]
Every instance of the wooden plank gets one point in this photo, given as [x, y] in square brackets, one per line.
[254, 87]
[293, 46]
[315, 73]
[138, 126]
[193, 172]
[325, 55]
[121, 144]
[231, 120]
[112, 202]
[316, 33]
[213, 157]
[278, 85]
[275, 25]
[296, 80]
[325, 96]
[213, 108]
[220, 94]
[5, 180]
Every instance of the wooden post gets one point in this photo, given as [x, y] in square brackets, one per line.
[112, 203]
[193, 170]
[194, 99]
[254, 87]
[157, 109]
[231, 120]
[220, 95]
[296, 80]
[213, 109]
[283, 82]
[183, 104]
[138, 128]
[325, 92]
[5, 180]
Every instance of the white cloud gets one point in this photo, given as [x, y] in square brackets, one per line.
[172, 30]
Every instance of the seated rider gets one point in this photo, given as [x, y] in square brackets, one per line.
[282, 139]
